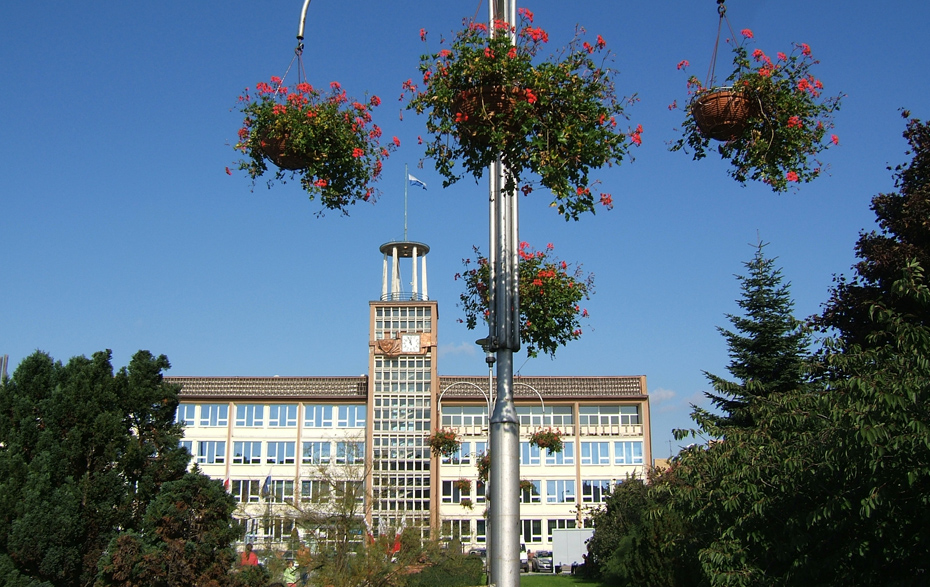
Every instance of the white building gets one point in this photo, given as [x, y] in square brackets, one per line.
[292, 444]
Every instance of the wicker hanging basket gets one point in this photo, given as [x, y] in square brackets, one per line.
[275, 149]
[485, 108]
[721, 114]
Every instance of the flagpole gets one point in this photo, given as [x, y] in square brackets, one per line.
[406, 181]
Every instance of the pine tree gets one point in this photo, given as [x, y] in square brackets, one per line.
[767, 347]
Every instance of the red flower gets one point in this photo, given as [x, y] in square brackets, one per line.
[791, 176]
[228, 172]
[794, 122]
[396, 141]
[587, 46]
[683, 63]
[607, 200]
[488, 53]
[530, 96]
[320, 183]
[746, 33]
[335, 85]
[835, 139]
[422, 34]
[512, 53]
[601, 43]
[375, 101]
[275, 80]
[525, 14]
[356, 152]
[782, 56]
[461, 117]
[805, 49]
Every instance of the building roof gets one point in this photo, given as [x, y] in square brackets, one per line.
[459, 387]
[272, 387]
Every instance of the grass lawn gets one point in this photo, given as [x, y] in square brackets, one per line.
[554, 581]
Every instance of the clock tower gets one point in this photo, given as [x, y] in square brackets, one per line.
[402, 388]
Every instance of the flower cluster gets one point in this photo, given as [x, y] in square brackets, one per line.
[488, 97]
[444, 442]
[484, 467]
[548, 439]
[787, 123]
[325, 138]
[463, 485]
[550, 291]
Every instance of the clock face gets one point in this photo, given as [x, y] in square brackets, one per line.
[410, 343]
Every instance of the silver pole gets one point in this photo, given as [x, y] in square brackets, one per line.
[504, 338]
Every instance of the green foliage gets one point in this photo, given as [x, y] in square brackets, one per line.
[555, 118]
[788, 118]
[86, 449]
[329, 141]
[550, 291]
[453, 569]
[638, 539]
[184, 541]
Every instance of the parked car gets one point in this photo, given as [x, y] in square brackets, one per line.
[524, 560]
[542, 562]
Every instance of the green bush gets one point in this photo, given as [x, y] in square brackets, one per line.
[456, 571]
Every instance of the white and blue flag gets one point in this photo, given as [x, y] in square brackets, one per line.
[415, 181]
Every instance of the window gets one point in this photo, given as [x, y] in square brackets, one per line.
[318, 416]
[281, 491]
[481, 530]
[189, 446]
[529, 454]
[185, 414]
[282, 415]
[595, 453]
[559, 525]
[315, 490]
[560, 491]
[629, 415]
[555, 416]
[451, 492]
[245, 490]
[316, 453]
[280, 453]
[530, 491]
[608, 415]
[350, 453]
[211, 452]
[628, 453]
[249, 415]
[352, 416]
[566, 457]
[456, 529]
[465, 416]
[461, 456]
[247, 453]
[595, 490]
[214, 415]
[347, 490]
[480, 488]
[532, 531]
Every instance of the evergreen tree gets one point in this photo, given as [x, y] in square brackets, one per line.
[767, 349]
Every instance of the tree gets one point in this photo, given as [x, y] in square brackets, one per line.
[84, 452]
[903, 236]
[184, 540]
[767, 350]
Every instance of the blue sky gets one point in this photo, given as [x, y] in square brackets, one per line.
[120, 228]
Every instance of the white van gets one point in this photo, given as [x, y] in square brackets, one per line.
[524, 560]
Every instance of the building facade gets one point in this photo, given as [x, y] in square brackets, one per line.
[301, 453]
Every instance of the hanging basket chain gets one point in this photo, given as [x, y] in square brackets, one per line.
[711, 71]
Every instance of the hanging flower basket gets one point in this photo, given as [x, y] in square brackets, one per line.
[325, 139]
[463, 485]
[557, 118]
[550, 295]
[527, 486]
[444, 442]
[772, 119]
[467, 503]
[484, 467]
[548, 439]
[721, 114]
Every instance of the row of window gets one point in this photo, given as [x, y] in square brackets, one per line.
[531, 530]
[273, 415]
[556, 491]
[213, 452]
[557, 416]
[625, 452]
[282, 490]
